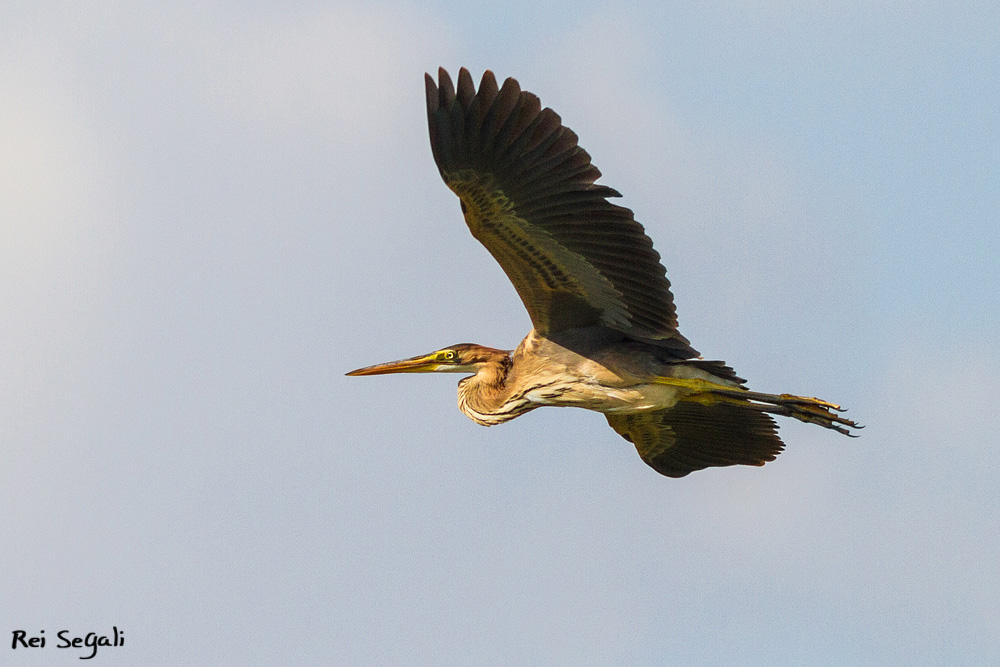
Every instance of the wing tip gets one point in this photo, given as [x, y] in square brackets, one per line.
[446, 88]
[431, 89]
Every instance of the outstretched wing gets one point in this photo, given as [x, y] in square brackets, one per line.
[691, 436]
[528, 195]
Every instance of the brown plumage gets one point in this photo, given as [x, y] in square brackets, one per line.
[604, 332]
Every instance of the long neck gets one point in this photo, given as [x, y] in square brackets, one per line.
[489, 397]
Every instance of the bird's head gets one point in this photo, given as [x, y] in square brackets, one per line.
[461, 358]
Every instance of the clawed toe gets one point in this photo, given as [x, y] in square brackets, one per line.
[808, 400]
[804, 408]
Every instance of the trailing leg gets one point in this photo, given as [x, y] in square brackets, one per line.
[804, 408]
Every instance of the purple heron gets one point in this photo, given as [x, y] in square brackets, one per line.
[604, 333]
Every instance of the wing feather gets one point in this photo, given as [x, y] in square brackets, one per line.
[529, 195]
[692, 436]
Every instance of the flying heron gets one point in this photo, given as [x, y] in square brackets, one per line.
[604, 333]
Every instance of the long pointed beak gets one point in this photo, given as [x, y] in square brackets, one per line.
[422, 364]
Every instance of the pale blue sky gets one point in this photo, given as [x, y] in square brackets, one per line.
[210, 211]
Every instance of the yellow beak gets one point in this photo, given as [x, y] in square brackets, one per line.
[423, 364]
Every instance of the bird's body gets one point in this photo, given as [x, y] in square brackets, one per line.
[605, 331]
[589, 367]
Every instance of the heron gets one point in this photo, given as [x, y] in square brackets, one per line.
[604, 327]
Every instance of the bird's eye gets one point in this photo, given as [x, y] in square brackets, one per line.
[449, 355]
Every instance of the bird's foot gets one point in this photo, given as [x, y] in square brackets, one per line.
[804, 408]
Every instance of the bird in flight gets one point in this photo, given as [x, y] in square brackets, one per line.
[604, 329]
